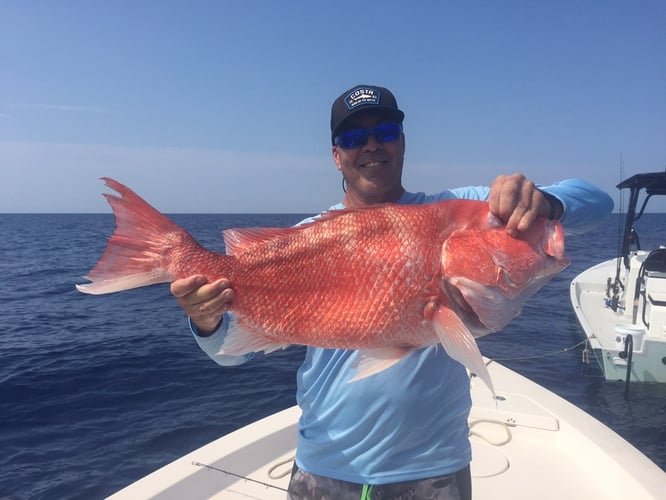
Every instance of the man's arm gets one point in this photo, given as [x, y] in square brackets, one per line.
[577, 204]
[207, 305]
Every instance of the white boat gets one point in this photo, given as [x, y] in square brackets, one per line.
[529, 444]
[621, 303]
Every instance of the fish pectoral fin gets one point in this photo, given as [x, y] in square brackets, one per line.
[373, 361]
[459, 343]
[240, 341]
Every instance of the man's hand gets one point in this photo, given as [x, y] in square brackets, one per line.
[205, 303]
[517, 202]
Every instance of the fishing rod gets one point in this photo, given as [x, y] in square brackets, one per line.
[239, 476]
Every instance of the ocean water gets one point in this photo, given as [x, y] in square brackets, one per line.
[98, 391]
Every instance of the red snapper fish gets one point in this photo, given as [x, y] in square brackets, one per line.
[385, 280]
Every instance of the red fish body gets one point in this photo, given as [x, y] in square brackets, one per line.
[386, 279]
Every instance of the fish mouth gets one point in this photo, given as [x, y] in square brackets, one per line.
[464, 310]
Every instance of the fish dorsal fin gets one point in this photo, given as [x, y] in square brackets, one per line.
[240, 239]
[339, 212]
[237, 240]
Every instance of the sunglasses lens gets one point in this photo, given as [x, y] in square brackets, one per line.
[387, 132]
[352, 138]
[355, 138]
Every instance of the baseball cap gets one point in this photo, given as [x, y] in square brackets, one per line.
[363, 98]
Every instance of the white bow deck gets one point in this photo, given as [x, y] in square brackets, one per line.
[532, 444]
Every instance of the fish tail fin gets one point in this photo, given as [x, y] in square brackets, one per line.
[459, 343]
[140, 251]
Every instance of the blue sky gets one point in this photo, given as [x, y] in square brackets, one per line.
[223, 106]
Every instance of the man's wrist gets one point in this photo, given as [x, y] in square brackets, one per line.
[556, 207]
[202, 330]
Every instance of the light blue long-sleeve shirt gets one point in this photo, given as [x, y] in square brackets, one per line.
[409, 421]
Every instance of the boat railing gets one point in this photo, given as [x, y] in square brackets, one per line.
[650, 289]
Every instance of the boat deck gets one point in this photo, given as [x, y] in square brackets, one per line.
[531, 444]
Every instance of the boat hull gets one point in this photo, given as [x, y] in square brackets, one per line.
[607, 329]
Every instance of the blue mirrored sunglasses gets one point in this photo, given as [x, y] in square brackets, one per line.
[357, 137]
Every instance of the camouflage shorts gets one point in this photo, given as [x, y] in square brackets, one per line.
[306, 486]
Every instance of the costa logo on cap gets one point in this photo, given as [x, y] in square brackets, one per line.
[362, 96]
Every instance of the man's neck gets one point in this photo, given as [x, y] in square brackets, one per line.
[355, 200]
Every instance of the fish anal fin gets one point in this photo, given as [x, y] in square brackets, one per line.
[459, 343]
[239, 341]
[373, 361]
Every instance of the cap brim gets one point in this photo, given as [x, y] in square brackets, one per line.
[388, 111]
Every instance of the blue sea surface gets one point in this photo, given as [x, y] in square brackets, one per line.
[98, 391]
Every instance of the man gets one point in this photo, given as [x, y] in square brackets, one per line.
[404, 430]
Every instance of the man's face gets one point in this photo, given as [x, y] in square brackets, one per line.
[373, 172]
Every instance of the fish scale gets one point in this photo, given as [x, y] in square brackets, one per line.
[386, 280]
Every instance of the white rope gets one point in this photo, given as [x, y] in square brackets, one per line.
[488, 440]
[280, 464]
